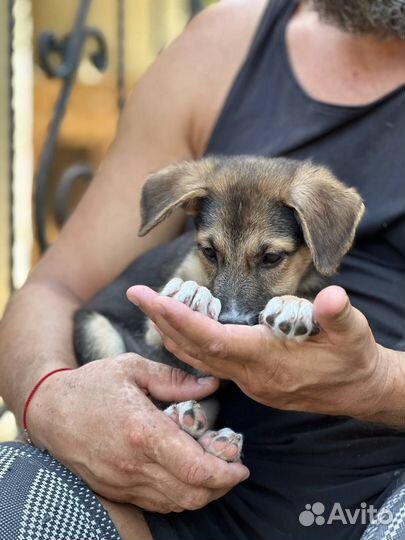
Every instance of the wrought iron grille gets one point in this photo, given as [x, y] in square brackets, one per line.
[69, 51]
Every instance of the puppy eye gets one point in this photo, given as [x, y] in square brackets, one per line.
[272, 259]
[209, 253]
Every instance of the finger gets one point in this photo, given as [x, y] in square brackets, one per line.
[334, 312]
[144, 298]
[201, 337]
[201, 352]
[220, 353]
[145, 497]
[205, 356]
[181, 456]
[212, 368]
[152, 500]
[191, 331]
[180, 494]
[165, 383]
[174, 312]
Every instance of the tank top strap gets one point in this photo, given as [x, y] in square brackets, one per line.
[273, 21]
[265, 49]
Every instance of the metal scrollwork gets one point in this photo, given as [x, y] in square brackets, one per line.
[69, 50]
[60, 58]
[49, 44]
[66, 182]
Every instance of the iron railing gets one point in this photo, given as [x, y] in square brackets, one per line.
[70, 50]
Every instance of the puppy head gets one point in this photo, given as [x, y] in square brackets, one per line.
[264, 226]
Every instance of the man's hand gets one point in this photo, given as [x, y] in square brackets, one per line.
[342, 371]
[99, 421]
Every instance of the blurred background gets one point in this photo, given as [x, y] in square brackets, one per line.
[65, 70]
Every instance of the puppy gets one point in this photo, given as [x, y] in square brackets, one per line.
[268, 232]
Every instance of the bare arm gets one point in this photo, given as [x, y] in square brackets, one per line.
[97, 242]
[168, 118]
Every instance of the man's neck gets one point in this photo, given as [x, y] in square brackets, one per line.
[336, 67]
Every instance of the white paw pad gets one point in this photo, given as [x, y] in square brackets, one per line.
[190, 417]
[225, 444]
[192, 295]
[290, 318]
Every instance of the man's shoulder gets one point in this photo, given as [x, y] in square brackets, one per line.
[238, 9]
[228, 22]
[218, 40]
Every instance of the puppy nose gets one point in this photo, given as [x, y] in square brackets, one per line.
[231, 318]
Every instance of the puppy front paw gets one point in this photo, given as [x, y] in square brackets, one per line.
[290, 318]
[190, 417]
[192, 295]
[225, 444]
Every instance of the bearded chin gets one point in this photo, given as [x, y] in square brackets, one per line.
[385, 18]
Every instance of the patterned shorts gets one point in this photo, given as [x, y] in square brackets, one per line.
[42, 500]
[390, 520]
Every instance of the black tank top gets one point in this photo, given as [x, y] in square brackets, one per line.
[298, 459]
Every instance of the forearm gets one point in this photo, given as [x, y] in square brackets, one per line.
[35, 337]
[387, 401]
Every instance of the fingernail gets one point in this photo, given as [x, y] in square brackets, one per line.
[133, 298]
[205, 380]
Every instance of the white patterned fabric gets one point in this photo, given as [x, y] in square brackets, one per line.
[394, 529]
[42, 500]
[6, 460]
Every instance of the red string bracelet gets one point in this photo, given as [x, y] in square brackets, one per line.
[31, 395]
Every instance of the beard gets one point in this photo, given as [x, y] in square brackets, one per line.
[385, 18]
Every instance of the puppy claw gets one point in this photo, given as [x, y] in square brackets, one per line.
[225, 444]
[192, 295]
[186, 293]
[190, 417]
[290, 318]
[214, 308]
[201, 300]
[172, 287]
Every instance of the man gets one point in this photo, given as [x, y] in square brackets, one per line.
[343, 56]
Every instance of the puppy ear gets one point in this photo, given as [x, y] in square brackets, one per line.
[328, 212]
[181, 184]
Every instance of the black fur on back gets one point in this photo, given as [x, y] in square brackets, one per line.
[153, 269]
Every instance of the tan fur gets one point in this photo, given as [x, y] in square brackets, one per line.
[106, 341]
[246, 221]
[152, 337]
[192, 269]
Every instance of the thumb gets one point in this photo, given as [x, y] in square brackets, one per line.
[166, 383]
[334, 312]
